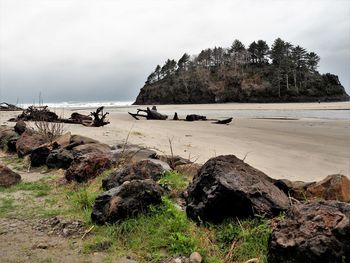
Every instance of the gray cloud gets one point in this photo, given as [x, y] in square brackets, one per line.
[104, 50]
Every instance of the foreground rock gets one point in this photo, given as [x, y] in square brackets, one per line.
[29, 141]
[131, 153]
[88, 166]
[141, 170]
[333, 187]
[127, 200]
[312, 232]
[228, 187]
[59, 158]
[20, 127]
[8, 139]
[8, 177]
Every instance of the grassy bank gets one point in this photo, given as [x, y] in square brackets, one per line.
[163, 232]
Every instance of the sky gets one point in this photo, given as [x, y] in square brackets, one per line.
[93, 50]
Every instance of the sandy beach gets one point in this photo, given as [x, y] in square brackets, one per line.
[305, 149]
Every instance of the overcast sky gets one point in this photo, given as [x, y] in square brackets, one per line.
[81, 50]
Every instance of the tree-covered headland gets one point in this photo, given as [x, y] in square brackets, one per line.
[257, 73]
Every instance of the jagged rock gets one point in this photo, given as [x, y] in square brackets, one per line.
[20, 127]
[39, 155]
[131, 152]
[8, 177]
[63, 140]
[59, 158]
[333, 187]
[78, 140]
[88, 166]
[312, 232]
[296, 189]
[228, 187]
[29, 141]
[190, 169]
[129, 199]
[141, 170]
[8, 139]
[91, 147]
[173, 161]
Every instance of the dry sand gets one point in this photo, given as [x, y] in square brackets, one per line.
[303, 149]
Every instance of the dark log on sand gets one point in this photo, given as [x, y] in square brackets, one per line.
[9, 107]
[195, 117]
[150, 114]
[99, 117]
[226, 121]
[33, 113]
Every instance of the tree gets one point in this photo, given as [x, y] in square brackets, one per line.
[217, 54]
[183, 61]
[157, 72]
[253, 52]
[262, 49]
[151, 78]
[237, 46]
[312, 61]
[298, 58]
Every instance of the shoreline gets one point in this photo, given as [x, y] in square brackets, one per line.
[304, 149]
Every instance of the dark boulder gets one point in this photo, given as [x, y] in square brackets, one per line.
[8, 177]
[29, 141]
[88, 166]
[127, 200]
[312, 232]
[39, 155]
[91, 147]
[333, 187]
[20, 127]
[130, 152]
[227, 187]
[8, 139]
[78, 140]
[59, 158]
[141, 170]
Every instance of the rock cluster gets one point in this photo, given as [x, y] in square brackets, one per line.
[312, 232]
[227, 187]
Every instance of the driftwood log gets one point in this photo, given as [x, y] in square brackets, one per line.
[226, 121]
[42, 113]
[9, 107]
[150, 114]
[99, 117]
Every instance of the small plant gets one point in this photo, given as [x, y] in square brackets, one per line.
[49, 130]
[174, 181]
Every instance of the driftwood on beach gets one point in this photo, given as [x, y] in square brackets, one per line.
[4, 106]
[42, 113]
[153, 114]
[150, 114]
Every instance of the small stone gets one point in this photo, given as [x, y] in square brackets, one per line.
[195, 258]
[65, 232]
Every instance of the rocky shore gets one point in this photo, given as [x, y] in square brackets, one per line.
[308, 220]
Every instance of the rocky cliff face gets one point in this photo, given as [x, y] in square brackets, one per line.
[219, 85]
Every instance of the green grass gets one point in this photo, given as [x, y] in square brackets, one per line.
[251, 238]
[162, 232]
[7, 205]
[174, 181]
[39, 188]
